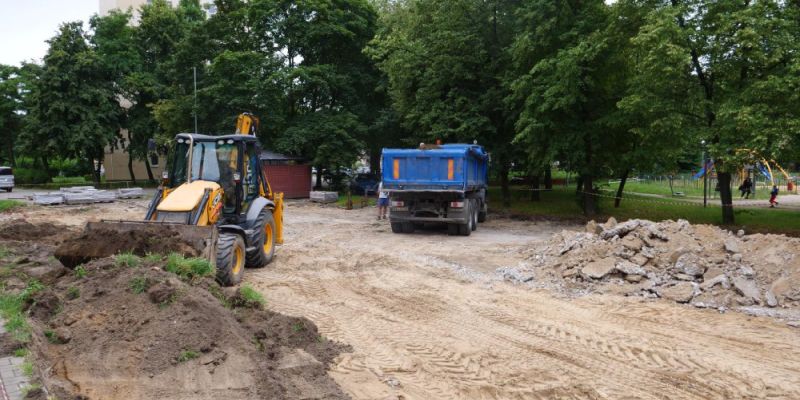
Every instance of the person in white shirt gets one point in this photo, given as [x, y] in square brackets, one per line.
[383, 202]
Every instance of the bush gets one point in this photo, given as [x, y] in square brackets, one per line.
[6, 205]
[189, 268]
[69, 180]
[30, 176]
[126, 260]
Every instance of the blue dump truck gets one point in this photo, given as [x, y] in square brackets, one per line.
[443, 184]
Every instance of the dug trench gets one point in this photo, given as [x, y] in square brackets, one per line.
[131, 330]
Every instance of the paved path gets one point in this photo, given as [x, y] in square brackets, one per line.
[12, 380]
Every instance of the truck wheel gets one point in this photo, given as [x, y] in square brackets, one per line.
[408, 227]
[263, 240]
[465, 228]
[474, 215]
[397, 227]
[230, 259]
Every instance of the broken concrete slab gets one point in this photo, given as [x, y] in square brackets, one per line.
[747, 288]
[599, 269]
[681, 292]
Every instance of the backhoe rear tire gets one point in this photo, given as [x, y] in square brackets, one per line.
[230, 259]
[263, 240]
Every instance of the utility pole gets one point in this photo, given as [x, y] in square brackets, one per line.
[194, 70]
[705, 175]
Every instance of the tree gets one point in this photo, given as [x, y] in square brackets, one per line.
[445, 63]
[566, 88]
[113, 41]
[10, 105]
[75, 109]
[723, 71]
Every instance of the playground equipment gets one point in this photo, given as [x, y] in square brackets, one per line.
[765, 165]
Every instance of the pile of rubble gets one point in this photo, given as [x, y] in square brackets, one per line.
[698, 264]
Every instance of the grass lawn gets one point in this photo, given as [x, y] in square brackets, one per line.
[694, 189]
[561, 203]
[6, 205]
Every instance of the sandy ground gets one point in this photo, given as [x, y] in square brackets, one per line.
[428, 318]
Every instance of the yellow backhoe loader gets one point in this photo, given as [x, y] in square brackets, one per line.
[214, 198]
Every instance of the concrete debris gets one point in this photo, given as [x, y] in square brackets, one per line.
[732, 246]
[721, 280]
[130, 193]
[599, 269]
[770, 298]
[48, 199]
[513, 275]
[747, 288]
[705, 265]
[681, 292]
[323, 197]
[629, 268]
[690, 264]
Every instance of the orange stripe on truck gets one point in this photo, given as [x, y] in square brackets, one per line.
[450, 169]
[396, 168]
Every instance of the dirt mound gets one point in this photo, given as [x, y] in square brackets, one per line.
[20, 229]
[101, 242]
[698, 264]
[142, 333]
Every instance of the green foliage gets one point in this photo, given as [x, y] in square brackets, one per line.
[4, 252]
[51, 336]
[139, 284]
[189, 268]
[153, 257]
[73, 293]
[187, 355]
[126, 260]
[21, 352]
[69, 180]
[251, 296]
[6, 205]
[12, 310]
[80, 271]
[30, 176]
[298, 327]
[27, 368]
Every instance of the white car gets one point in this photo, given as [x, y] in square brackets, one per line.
[6, 178]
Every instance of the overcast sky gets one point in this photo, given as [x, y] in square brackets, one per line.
[26, 24]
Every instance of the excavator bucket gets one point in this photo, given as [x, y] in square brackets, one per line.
[107, 238]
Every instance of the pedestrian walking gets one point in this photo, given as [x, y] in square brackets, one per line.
[773, 196]
[746, 188]
[383, 201]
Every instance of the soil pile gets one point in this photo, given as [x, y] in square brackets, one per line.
[698, 264]
[22, 230]
[103, 242]
[142, 333]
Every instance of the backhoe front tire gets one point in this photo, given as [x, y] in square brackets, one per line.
[230, 259]
[263, 240]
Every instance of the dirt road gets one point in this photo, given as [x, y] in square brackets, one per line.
[428, 318]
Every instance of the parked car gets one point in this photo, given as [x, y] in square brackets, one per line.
[6, 178]
[364, 184]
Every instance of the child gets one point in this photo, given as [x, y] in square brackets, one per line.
[773, 197]
[383, 202]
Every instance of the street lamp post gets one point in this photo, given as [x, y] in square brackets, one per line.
[705, 175]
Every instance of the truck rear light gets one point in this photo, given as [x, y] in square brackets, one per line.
[456, 204]
[396, 203]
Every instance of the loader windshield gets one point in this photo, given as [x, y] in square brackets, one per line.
[214, 161]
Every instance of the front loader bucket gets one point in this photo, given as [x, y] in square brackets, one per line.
[107, 238]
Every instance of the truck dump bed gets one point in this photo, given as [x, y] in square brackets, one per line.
[450, 167]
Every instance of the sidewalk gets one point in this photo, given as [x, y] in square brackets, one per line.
[12, 380]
